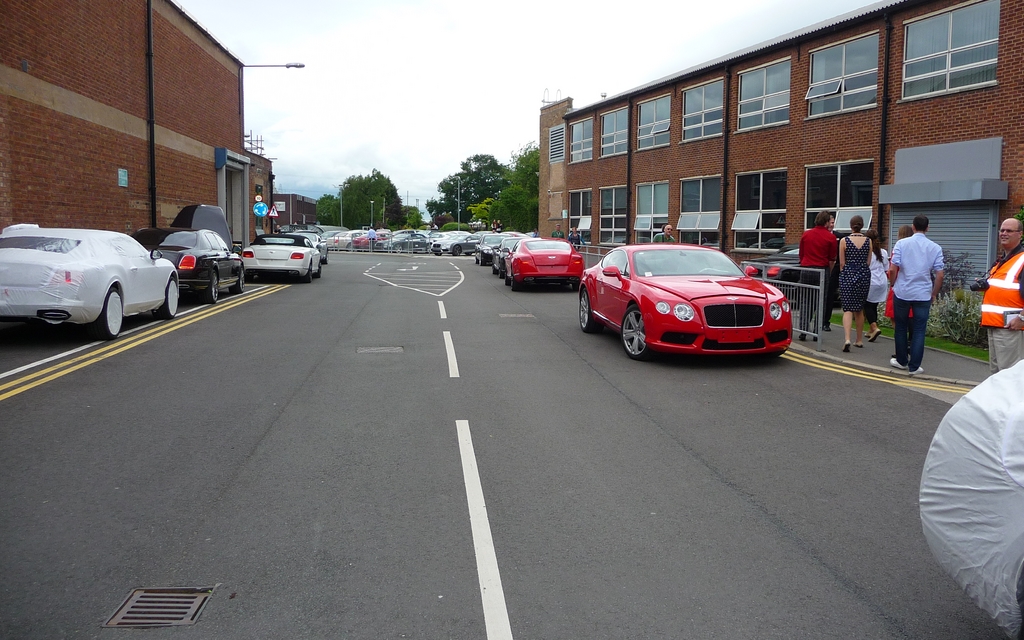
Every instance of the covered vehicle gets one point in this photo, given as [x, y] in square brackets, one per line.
[82, 276]
[682, 299]
[204, 216]
[543, 261]
[972, 496]
[205, 264]
[282, 254]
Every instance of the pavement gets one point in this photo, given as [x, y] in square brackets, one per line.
[938, 365]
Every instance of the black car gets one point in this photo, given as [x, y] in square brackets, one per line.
[485, 248]
[205, 264]
[498, 259]
[776, 265]
[407, 242]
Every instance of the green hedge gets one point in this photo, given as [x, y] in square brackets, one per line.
[955, 316]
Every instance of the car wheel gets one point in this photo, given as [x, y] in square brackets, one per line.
[494, 269]
[575, 286]
[587, 321]
[319, 271]
[517, 285]
[239, 286]
[456, 250]
[508, 279]
[476, 259]
[634, 340]
[108, 324]
[169, 308]
[326, 256]
[212, 291]
[308, 277]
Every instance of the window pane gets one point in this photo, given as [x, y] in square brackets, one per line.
[574, 202]
[661, 199]
[853, 100]
[827, 105]
[643, 199]
[643, 223]
[861, 81]
[821, 187]
[827, 64]
[968, 77]
[774, 196]
[773, 220]
[825, 89]
[710, 221]
[712, 197]
[750, 121]
[746, 220]
[713, 129]
[927, 37]
[647, 113]
[779, 115]
[713, 95]
[663, 108]
[747, 239]
[607, 199]
[691, 195]
[778, 100]
[976, 23]
[752, 85]
[927, 85]
[778, 78]
[924, 67]
[974, 55]
[688, 221]
[750, 107]
[861, 55]
[748, 192]
[693, 100]
[856, 182]
[620, 203]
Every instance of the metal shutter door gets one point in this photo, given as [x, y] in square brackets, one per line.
[969, 228]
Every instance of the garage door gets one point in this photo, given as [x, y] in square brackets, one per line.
[966, 228]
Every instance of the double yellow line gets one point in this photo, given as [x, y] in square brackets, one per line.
[37, 378]
[900, 381]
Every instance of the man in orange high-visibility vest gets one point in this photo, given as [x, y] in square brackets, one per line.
[1003, 304]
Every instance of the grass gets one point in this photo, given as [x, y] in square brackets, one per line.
[935, 343]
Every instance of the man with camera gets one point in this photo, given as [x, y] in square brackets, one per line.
[1004, 300]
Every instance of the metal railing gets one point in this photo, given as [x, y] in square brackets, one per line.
[805, 288]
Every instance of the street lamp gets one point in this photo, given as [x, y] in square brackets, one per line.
[458, 204]
[341, 205]
[371, 214]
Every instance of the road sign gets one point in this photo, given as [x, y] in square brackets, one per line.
[273, 212]
[259, 209]
[259, 198]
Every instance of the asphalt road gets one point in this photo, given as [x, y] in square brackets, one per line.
[407, 449]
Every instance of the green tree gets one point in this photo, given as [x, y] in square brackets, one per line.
[481, 212]
[482, 177]
[359, 191]
[413, 217]
[517, 205]
[327, 209]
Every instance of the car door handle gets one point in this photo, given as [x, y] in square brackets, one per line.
[135, 268]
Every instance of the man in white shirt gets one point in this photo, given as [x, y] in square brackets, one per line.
[371, 236]
[913, 262]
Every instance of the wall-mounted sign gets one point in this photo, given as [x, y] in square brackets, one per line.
[281, 206]
[260, 209]
[259, 198]
[122, 177]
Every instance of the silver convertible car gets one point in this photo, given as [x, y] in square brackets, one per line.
[82, 276]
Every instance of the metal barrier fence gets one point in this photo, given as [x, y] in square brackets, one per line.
[805, 288]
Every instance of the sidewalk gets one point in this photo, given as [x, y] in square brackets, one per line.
[938, 365]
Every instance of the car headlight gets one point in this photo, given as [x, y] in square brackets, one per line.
[684, 312]
[785, 306]
[663, 307]
[775, 310]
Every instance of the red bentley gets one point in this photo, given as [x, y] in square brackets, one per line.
[543, 261]
[680, 298]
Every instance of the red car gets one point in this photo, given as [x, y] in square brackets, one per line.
[362, 243]
[680, 298]
[543, 261]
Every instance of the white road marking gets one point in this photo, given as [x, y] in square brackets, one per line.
[496, 621]
[440, 305]
[412, 269]
[462, 278]
[453, 365]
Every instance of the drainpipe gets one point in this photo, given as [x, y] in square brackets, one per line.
[151, 119]
[629, 171]
[726, 85]
[883, 168]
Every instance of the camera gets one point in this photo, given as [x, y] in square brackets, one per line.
[979, 284]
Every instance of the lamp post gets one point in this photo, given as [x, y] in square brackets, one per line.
[458, 204]
[371, 214]
[341, 205]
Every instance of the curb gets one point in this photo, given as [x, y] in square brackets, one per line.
[804, 350]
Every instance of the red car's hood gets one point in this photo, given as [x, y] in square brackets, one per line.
[695, 287]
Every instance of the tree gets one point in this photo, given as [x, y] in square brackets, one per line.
[327, 210]
[413, 217]
[482, 177]
[481, 212]
[358, 191]
[517, 205]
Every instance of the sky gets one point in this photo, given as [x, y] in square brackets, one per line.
[414, 87]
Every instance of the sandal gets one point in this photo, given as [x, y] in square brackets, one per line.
[874, 334]
[859, 345]
[846, 348]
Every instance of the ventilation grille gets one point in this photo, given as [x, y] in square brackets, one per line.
[161, 607]
[556, 143]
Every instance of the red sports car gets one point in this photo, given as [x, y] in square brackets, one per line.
[543, 261]
[680, 298]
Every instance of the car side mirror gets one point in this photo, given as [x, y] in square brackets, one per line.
[156, 254]
[750, 270]
[612, 272]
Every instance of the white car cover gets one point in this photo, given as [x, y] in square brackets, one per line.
[972, 495]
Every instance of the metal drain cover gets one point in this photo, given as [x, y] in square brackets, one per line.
[161, 607]
[515, 315]
[380, 349]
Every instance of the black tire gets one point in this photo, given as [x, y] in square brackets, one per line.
[108, 324]
[239, 286]
[575, 286]
[212, 291]
[587, 321]
[634, 340]
[319, 271]
[309, 273]
[508, 280]
[169, 308]
[494, 268]
[517, 285]
[456, 250]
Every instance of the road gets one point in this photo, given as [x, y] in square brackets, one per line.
[407, 449]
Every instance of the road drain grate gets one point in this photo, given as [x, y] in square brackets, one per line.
[161, 607]
[380, 349]
[515, 315]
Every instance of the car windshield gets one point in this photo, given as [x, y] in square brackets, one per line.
[39, 243]
[493, 241]
[684, 262]
[167, 239]
[548, 245]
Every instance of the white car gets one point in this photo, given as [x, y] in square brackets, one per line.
[343, 240]
[82, 276]
[282, 254]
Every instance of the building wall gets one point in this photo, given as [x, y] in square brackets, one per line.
[551, 182]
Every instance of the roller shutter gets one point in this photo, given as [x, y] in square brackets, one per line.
[957, 228]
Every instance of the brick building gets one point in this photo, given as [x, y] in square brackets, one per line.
[899, 108]
[76, 148]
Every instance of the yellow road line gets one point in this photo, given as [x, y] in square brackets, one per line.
[32, 380]
[878, 377]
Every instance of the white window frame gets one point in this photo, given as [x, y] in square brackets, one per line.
[578, 217]
[752, 220]
[948, 55]
[843, 214]
[657, 132]
[614, 228]
[615, 142]
[836, 90]
[581, 146]
[706, 121]
[556, 144]
[764, 104]
[651, 215]
[703, 223]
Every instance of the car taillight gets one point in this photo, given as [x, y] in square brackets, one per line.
[187, 262]
[298, 255]
[67, 277]
[577, 259]
[248, 253]
[773, 272]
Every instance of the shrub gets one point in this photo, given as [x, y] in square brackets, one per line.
[955, 316]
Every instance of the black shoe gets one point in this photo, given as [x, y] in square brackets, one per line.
[802, 337]
[827, 328]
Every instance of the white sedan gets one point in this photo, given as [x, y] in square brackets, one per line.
[282, 254]
[82, 276]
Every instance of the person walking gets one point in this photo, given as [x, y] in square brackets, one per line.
[1003, 303]
[854, 279]
[665, 235]
[575, 239]
[879, 289]
[905, 231]
[558, 233]
[818, 252]
[833, 277]
[371, 238]
[915, 261]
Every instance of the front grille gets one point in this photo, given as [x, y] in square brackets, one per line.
[778, 336]
[674, 337]
[734, 315]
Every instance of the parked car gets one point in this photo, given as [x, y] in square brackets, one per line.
[282, 254]
[205, 264]
[457, 243]
[343, 241]
[774, 267]
[330, 239]
[82, 276]
[407, 242]
[318, 242]
[362, 243]
[501, 251]
[682, 299]
[291, 228]
[543, 261]
[204, 216]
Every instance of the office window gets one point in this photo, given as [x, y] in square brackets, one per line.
[764, 96]
[844, 76]
[651, 210]
[654, 123]
[760, 220]
[951, 51]
[582, 145]
[614, 132]
[580, 214]
[613, 216]
[556, 144]
[702, 111]
[845, 189]
[701, 211]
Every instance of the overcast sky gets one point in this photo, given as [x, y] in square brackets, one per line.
[413, 87]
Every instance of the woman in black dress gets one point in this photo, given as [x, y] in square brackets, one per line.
[854, 279]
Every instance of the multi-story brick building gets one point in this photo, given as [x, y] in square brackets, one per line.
[899, 108]
[90, 136]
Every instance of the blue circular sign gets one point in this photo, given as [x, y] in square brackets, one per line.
[260, 209]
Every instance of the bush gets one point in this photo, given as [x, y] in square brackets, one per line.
[455, 226]
[955, 316]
